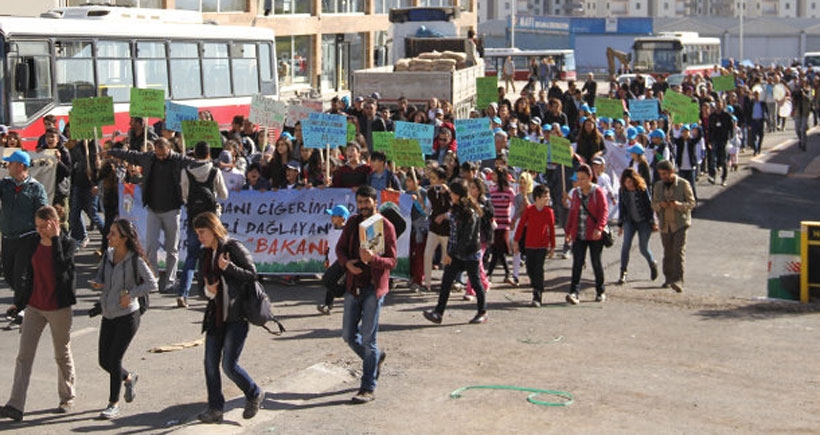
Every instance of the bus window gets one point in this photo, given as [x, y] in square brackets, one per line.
[186, 80]
[114, 70]
[152, 68]
[75, 70]
[569, 62]
[30, 72]
[244, 69]
[269, 82]
[215, 68]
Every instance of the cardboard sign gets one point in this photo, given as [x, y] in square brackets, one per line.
[81, 131]
[487, 89]
[527, 155]
[560, 151]
[201, 131]
[92, 112]
[323, 129]
[609, 107]
[147, 103]
[643, 110]
[406, 153]
[351, 132]
[267, 112]
[176, 113]
[475, 140]
[421, 132]
[682, 108]
[382, 141]
[723, 83]
[297, 114]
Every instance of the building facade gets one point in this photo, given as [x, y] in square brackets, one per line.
[501, 9]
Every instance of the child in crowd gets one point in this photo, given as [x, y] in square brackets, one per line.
[254, 179]
[334, 277]
[418, 229]
[538, 222]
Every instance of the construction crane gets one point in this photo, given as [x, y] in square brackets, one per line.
[611, 55]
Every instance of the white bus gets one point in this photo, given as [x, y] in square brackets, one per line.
[564, 61]
[104, 51]
[675, 53]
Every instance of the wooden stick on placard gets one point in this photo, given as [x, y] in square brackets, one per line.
[327, 164]
[145, 134]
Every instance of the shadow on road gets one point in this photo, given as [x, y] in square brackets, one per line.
[759, 311]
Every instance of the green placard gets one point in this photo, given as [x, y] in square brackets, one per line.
[351, 132]
[609, 107]
[527, 155]
[81, 131]
[723, 83]
[201, 131]
[560, 151]
[682, 108]
[406, 153]
[147, 103]
[92, 112]
[487, 90]
[381, 142]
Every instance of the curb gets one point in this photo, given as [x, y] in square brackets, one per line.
[762, 165]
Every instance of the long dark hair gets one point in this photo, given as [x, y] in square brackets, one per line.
[640, 183]
[132, 239]
[465, 203]
[502, 178]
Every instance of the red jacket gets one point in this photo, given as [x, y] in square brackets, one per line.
[379, 267]
[597, 207]
[540, 227]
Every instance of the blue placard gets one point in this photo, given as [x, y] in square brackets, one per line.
[323, 129]
[176, 113]
[643, 110]
[421, 132]
[475, 140]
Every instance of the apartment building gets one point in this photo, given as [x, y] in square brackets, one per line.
[501, 9]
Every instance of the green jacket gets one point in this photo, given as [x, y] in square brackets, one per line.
[671, 220]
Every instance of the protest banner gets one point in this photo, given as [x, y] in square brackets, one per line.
[176, 113]
[560, 151]
[682, 108]
[267, 112]
[643, 110]
[487, 90]
[91, 112]
[287, 231]
[201, 131]
[475, 140]
[323, 129]
[351, 132]
[382, 142]
[609, 107]
[421, 132]
[406, 153]
[723, 83]
[296, 114]
[147, 103]
[527, 155]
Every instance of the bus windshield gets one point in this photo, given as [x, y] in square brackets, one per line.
[811, 59]
[30, 90]
[658, 57]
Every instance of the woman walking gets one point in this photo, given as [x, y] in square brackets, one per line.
[588, 214]
[228, 270]
[636, 215]
[47, 296]
[123, 276]
[478, 193]
[502, 198]
[463, 252]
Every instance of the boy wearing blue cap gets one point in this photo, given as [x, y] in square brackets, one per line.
[334, 277]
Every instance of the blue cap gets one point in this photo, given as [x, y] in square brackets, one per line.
[734, 118]
[338, 210]
[637, 149]
[19, 156]
[574, 177]
[730, 109]
[609, 132]
[604, 119]
[685, 127]
[497, 120]
[593, 110]
[547, 127]
[584, 107]
[695, 126]
[620, 120]
[286, 135]
[581, 120]
[293, 164]
[640, 129]
[631, 133]
[498, 131]
[657, 133]
[565, 130]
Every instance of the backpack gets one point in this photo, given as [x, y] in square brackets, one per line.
[144, 301]
[257, 308]
[201, 197]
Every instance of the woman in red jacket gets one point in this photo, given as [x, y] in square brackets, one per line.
[588, 214]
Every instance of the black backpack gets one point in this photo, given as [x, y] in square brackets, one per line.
[201, 197]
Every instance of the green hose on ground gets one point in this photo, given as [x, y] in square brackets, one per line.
[531, 398]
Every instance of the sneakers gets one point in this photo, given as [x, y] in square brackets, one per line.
[712, 180]
[64, 408]
[210, 416]
[130, 392]
[479, 318]
[535, 304]
[11, 412]
[324, 309]
[15, 322]
[572, 298]
[84, 242]
[433, 317]
[677, 287]
[182, 302]
[601, 297]
[469, 298]
[382, 357]
[510, 282]
[665, 284]
[622, 279]
[252, 405]
[653, 271]
[363, 396]
[457, 287]
[110, 412]
[723, 183]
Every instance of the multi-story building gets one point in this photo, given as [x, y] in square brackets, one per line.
[318, 42]
[500, 9]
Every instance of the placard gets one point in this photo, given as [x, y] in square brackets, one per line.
[176, 113]
[527, 155]
[323, 129]
[723, 83]
[382, 141]
[93, 111]
[609, 107]
[475, 140]
[406, 153]
[682, 108]
[560, 151]
[267, 112]
[147, 103]
[201, 131]
[81, 131]
[424, 133]
[297, 114]
[351, 132]
[643, 110]
[487, 90]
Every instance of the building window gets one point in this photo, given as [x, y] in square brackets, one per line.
[285, 7]
[211, 5]
[342, 6]
[788, 6]
[637, 6]
[666, 6]
[154, 4]
[384, 6]
[429, 3]
[294, 59]
[814, 5]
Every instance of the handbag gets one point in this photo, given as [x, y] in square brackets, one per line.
[606, 235]
[257, 307]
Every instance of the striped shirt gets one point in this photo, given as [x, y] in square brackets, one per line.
[502, 204]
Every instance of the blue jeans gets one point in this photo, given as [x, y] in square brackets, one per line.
[801, 125]
[644, 230]
[226, 344]
[82, 201]
[194, 247]
[360, 325]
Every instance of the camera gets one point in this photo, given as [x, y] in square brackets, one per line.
[96, 310]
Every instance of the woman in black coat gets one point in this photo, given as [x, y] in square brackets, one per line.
[635, 215]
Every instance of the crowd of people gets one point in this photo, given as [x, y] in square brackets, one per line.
[467, 217]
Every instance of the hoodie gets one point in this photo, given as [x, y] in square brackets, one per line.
[200, 170]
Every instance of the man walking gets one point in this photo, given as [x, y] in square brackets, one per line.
[721, 128]
[673, 200]
[368, 281]
[801, 108]
[757, 114]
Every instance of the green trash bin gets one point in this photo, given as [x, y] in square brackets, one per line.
[784, 265]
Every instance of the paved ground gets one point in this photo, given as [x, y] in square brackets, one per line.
[715, 359]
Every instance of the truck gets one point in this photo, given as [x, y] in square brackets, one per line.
[458, 87]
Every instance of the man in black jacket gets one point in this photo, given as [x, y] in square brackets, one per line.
[721, 129]
[84, 176]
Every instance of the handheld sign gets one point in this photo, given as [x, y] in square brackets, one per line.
[610, 107]
[267, 112]
[201, 131]
[406, 153]
[487, 90]
[296, 114]
[421, 132]
[176, 113]
[93, 111]
[723, 83]
[82, 131]
[527, 155]
[682, 108]
[475, 140]
[322, 129]
[643, 110]
[147, 103]
[351, 132]
[560, 151]
[382, 142]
